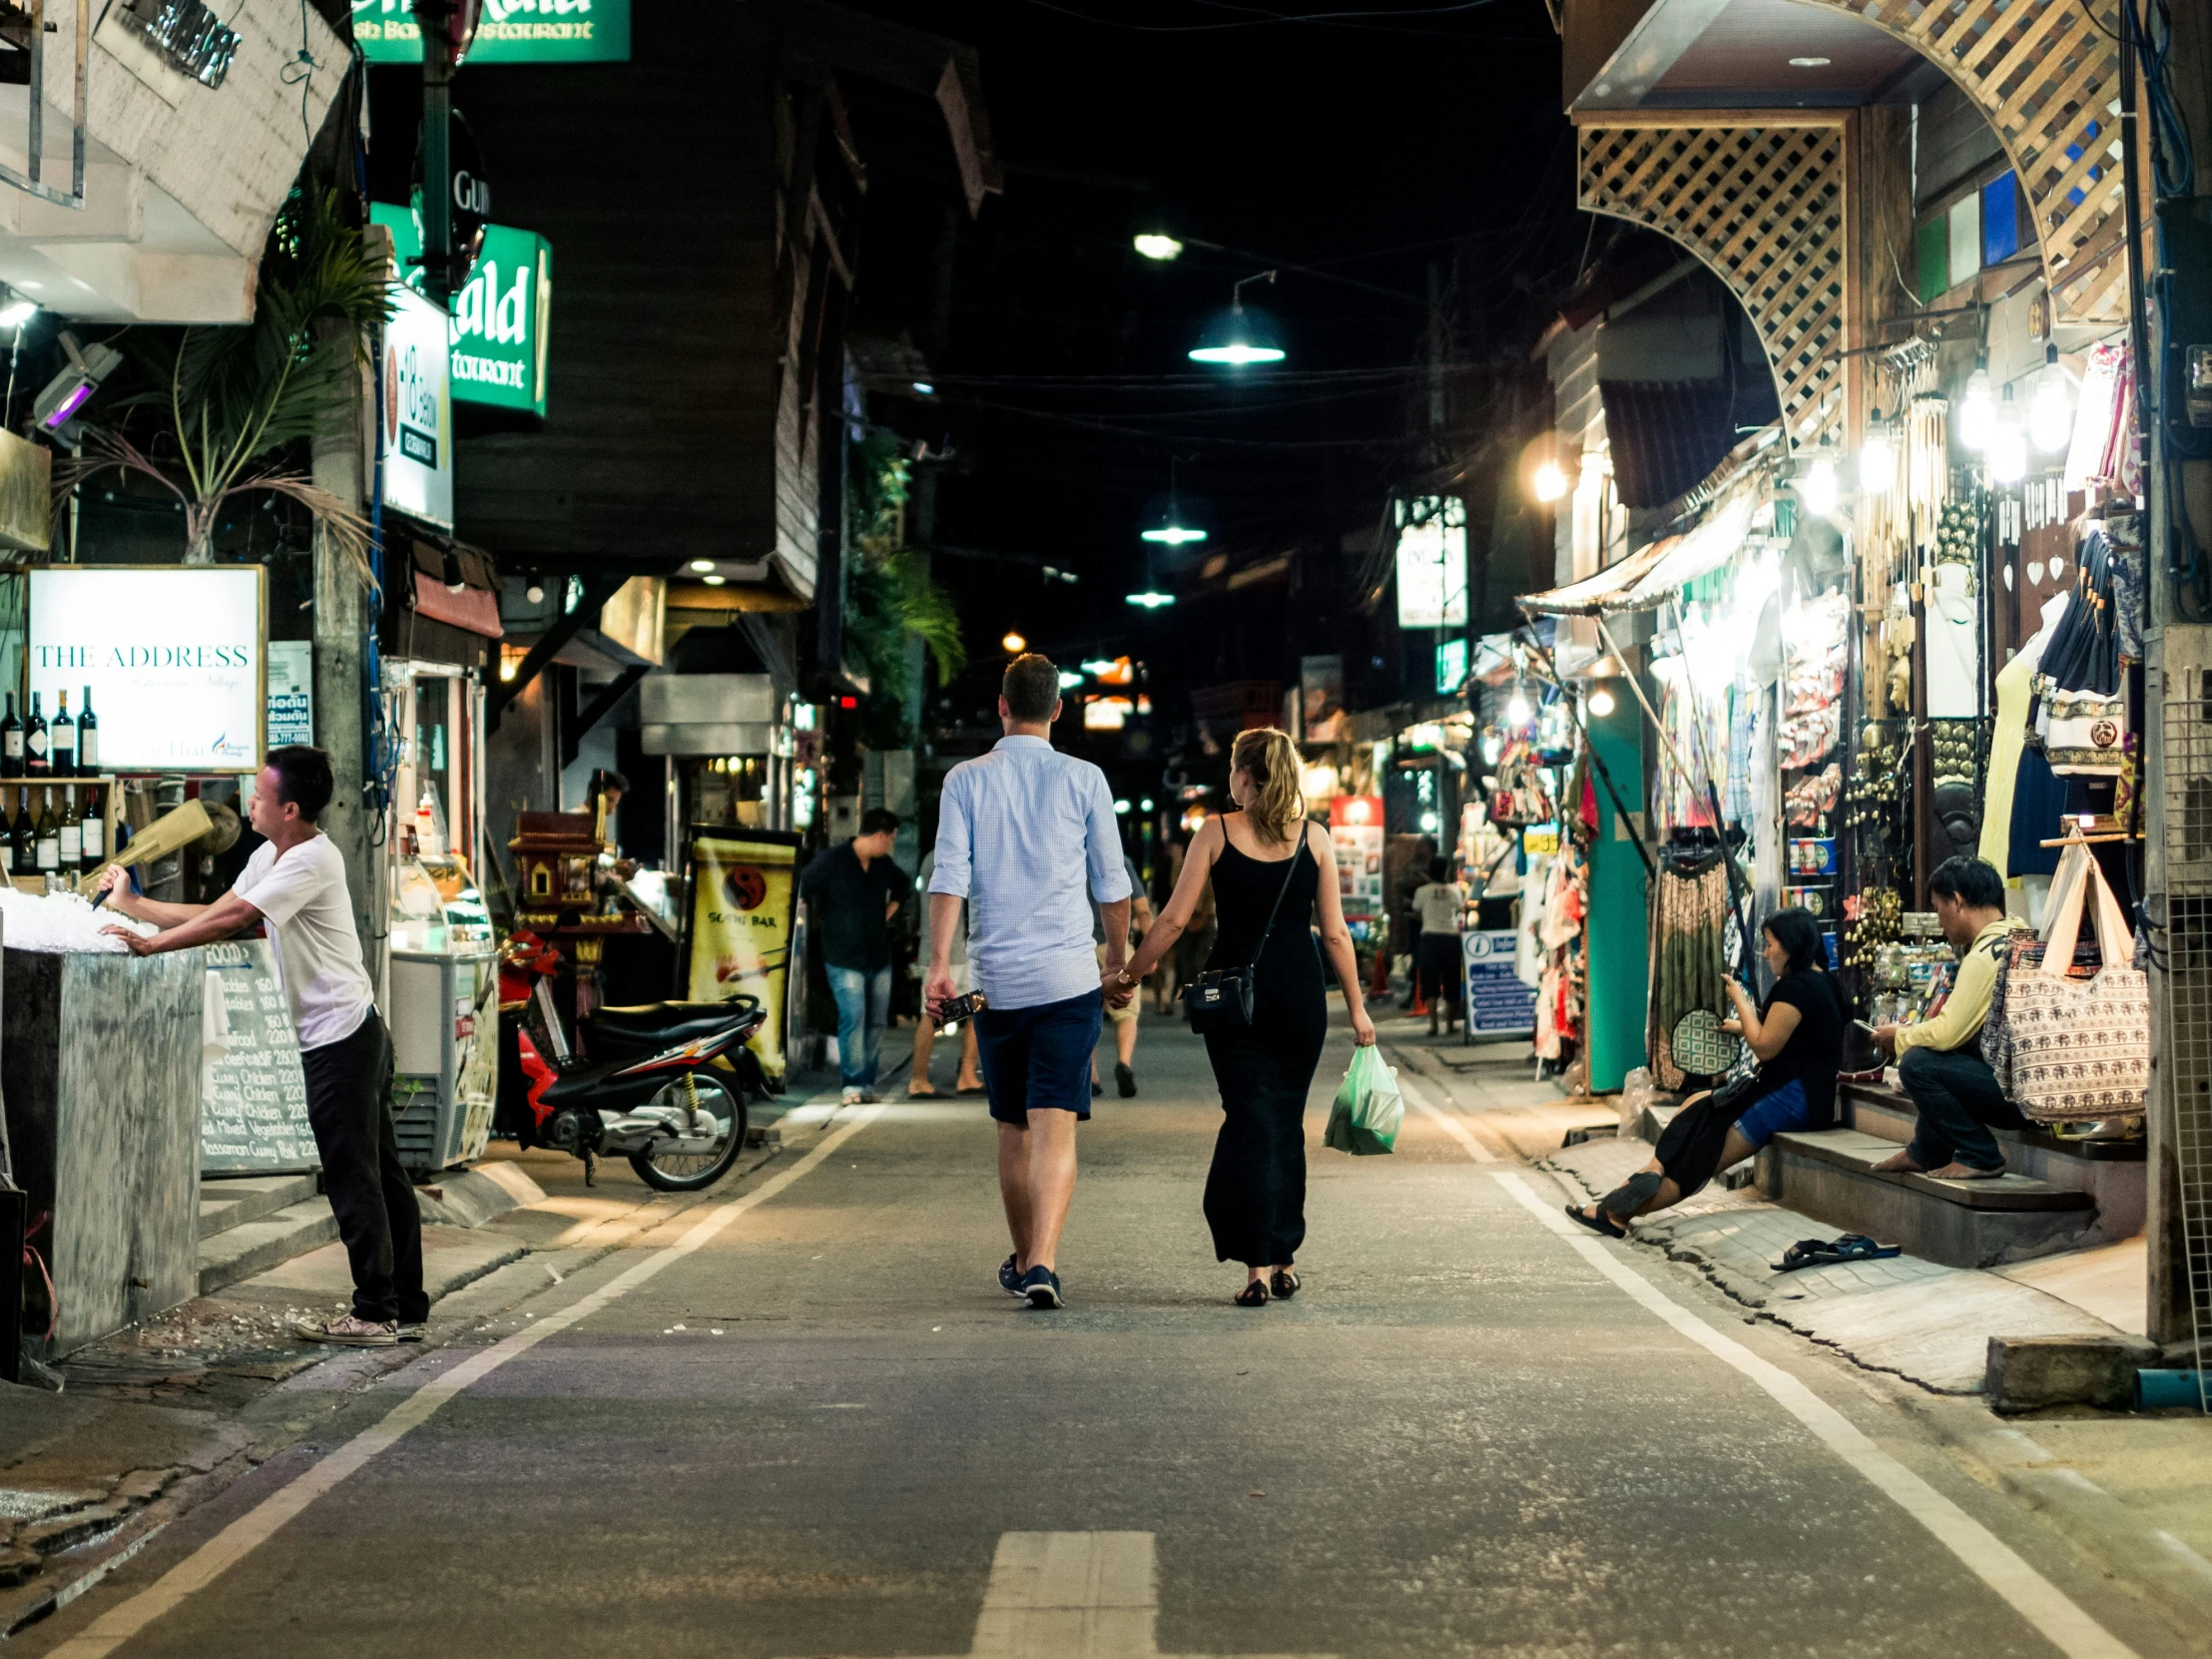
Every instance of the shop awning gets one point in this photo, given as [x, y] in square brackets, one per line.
[1656, 574]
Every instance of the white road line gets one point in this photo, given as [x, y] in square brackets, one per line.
[1075, 1595]
[1417, 1098]
[2042, 1604]
[262, 1523]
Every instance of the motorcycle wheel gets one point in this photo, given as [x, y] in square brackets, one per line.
[691, 1172]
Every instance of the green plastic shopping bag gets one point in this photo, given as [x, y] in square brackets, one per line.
[1364, 1118]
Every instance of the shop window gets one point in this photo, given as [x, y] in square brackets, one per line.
[1933, 244]
[2000, 219]
[1965, 220]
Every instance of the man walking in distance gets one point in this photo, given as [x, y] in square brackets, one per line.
[1027, 837]
[855, 889]
[295, 882]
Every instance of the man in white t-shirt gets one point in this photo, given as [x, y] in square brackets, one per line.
[295, 882]
[1441, 905]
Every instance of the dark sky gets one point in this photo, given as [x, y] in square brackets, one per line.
[1389, 141]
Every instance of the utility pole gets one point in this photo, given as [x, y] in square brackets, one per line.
[2177, 701]
[447, 27]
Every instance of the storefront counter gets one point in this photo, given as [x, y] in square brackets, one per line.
[102, 1055]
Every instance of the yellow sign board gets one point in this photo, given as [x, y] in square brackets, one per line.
[743, 897]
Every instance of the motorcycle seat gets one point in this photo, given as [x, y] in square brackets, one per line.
[672, 1021]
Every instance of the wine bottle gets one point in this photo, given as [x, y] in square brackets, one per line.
[49, 836]
[72, 832]
[93, 831]
[88, 737]
[22, 839]
[37, 763]
[61, 738]
[11, 743]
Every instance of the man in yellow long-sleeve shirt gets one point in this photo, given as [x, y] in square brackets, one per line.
[1938, 1060]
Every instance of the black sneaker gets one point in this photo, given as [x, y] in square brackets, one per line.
[1043, 1287]
[410, 1331]
[1125, 1080]
[1009, 1277]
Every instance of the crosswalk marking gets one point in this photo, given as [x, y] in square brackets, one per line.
[1075, 1595]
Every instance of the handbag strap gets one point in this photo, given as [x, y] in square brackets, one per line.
[1261, 948]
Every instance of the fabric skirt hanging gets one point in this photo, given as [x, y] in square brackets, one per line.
[1688, 916]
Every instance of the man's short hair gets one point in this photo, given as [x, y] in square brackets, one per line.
[1975, 882]
[878, 820]
[303, 778]
[1031, 687]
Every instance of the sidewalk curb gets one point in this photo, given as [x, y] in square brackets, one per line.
[2172, 1575]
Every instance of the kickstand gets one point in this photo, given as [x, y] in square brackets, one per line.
[591, 1169]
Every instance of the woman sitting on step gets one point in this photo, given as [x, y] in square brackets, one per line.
[1798, 1036]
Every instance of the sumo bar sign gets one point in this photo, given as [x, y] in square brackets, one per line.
[418, 410]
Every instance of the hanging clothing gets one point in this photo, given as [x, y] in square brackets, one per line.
[1689, 912]
[2007, 744]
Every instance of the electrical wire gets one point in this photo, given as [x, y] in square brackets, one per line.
[1358, 21]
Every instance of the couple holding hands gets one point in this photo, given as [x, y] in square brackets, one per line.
[1027, 838]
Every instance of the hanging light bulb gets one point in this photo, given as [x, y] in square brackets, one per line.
[2007, 443]
[1817, 489]
[1550, 483]
[1978, 410]
[1517, 712]
[1601, 703]
[1877, 459]
[2050, 411]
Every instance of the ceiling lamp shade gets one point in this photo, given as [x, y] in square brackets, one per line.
[1173, 534]
[1239, 336]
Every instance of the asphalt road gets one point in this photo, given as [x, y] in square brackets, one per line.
[815, 1426]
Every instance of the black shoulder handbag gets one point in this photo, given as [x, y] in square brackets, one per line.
[1220, 999]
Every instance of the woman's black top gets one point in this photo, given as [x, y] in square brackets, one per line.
[1815, 1051]
[1288, 987]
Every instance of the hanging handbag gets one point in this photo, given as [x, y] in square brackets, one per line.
[2087, 736]
[2082, 1048]
[1220, 999]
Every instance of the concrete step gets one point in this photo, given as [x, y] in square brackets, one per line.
[255, 1246]
[1828, 1175]
[1879, 1112]
[228, 1201]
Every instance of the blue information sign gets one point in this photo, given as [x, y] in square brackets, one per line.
[1498, 1005]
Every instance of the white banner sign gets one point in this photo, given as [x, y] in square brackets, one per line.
[1432, 562]
[173, 659]
[418, 409]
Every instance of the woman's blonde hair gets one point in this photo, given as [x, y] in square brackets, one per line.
[1278, 802]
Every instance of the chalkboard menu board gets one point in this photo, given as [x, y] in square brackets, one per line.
[253, 1096]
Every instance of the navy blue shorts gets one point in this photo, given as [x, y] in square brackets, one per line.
[1037, 1058]
[1773, 1114]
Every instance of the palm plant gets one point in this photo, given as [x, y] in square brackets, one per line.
[233, 400]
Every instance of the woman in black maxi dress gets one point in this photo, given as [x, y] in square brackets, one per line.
[1256, 1190]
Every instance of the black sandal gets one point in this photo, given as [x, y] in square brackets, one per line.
[1254, 1294]
[1283, 1282]
[1599, 1223]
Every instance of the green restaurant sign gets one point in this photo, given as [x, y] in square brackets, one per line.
[499, 316]
[511, 31]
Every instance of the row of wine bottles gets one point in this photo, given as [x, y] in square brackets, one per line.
[65, 749]
[66, 842]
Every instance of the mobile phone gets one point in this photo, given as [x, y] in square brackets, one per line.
[954, 1009]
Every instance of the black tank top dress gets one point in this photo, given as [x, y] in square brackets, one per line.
[1255, 1189]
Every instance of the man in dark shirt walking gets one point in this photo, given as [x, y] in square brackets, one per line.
[855, 889]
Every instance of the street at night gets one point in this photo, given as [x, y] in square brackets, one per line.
[799, 1419]
[1106, 829]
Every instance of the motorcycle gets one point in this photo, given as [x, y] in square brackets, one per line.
[664, 1085]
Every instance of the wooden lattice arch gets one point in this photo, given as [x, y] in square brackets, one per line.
[2045, 74]
[1764, 207]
